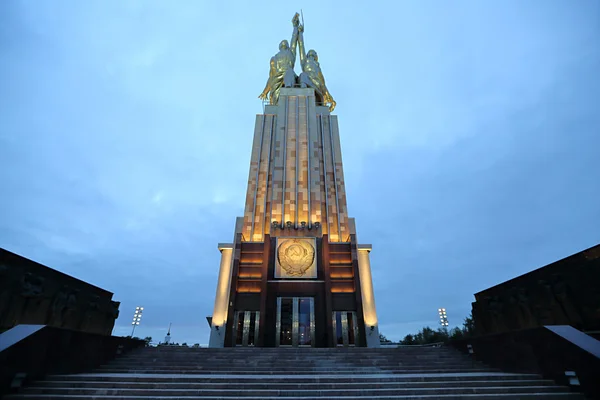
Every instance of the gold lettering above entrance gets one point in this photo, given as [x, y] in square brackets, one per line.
[296, 258]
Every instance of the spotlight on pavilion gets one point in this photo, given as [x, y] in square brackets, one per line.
[137, 317]
[443, 317]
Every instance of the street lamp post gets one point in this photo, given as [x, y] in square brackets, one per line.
[443, 317]
[137, 317]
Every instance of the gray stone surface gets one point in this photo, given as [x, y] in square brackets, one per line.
[16, 334]
[359, 373]
[577, 337]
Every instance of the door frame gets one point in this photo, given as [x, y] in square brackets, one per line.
[345, 328]
[295, 322]
[246, 327]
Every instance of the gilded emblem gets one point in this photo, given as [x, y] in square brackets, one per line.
[296, 256]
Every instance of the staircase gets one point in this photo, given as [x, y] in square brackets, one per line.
[299, 373]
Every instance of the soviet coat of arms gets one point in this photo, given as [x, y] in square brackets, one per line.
[296, 256]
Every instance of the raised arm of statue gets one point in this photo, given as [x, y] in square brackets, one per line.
[301, 46]
[296, 23]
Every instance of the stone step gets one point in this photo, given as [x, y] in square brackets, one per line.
[290, 386]
[284, 367]
[299, 369]
[284, 360]
[300, 379]
[345, 357]
[304, 392]
[495, 396]
[294, 374]
[291, 352]
[292, 356]
[295, 359]
[158, 362]
[289, 366]
[332, 371]
[285, 353]
[272, 359]
[138, 354]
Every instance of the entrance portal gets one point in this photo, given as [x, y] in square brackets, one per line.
[245, 328]
[345, 328]
[295, 321]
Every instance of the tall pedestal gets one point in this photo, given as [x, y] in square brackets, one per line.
[295, 274]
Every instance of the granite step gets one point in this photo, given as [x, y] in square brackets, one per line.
[495, 396]
[309, 392]
[266, 373]
[284, 360]
[298, 379]
[294, 365]
[289, 366]
[293, 374]
[290, 386]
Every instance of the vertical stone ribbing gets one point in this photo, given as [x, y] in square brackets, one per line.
[342, 214]
[262, 182]
[252, 183]
[324, 187]
[296, 171]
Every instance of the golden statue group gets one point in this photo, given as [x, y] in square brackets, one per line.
[281, 73]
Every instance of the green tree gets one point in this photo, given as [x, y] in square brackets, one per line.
[456, 334]
[426, 336]
[383, 339]
[408, 340]
[469, 326]
[148, 339]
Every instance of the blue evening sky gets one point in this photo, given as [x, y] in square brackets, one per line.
[470, 134]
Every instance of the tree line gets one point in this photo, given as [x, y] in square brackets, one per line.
[428, 335]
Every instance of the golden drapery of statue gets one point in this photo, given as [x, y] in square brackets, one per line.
[311, 75]
[281, 73]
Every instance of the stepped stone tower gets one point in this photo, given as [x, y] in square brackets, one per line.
[295, 274]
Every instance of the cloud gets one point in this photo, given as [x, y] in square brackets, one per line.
[468, 133]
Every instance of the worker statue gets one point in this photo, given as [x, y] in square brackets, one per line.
[281, 73]
[311, 75]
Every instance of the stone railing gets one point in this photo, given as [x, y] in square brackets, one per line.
[29, 352]
[558, 352]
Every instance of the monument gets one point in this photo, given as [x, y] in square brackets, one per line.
[295, 274]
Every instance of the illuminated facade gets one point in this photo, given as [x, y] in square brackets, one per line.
[295, 274]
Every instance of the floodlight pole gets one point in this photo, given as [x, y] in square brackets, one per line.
[137, 317]
[443, 318]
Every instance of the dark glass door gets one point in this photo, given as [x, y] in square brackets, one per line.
[345, 328]
[245, 328]
[286, 321]
[295, 321]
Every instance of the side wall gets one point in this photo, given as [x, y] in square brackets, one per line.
[566, 292]
[31, 293]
